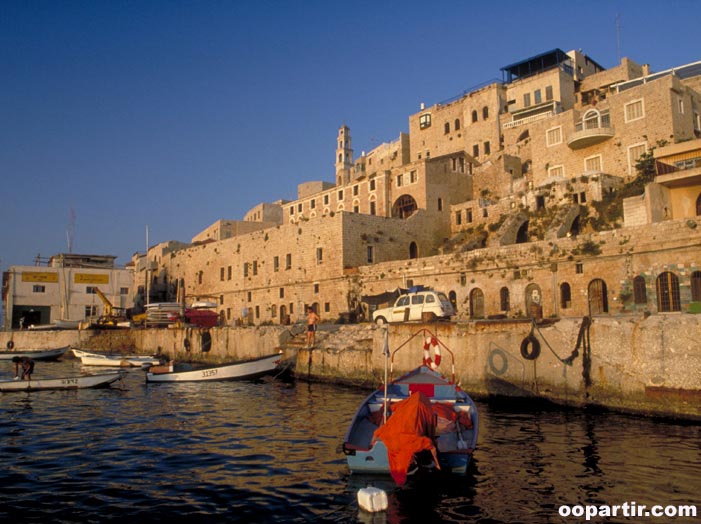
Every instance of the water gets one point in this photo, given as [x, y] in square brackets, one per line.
[270, 452]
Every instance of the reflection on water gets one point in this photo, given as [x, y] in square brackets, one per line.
[270, 452]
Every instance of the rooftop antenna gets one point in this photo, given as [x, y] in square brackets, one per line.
[70, 230]
[618, 35]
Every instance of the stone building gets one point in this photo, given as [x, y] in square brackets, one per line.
[508, 197]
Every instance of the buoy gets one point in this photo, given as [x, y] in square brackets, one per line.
[372, 499]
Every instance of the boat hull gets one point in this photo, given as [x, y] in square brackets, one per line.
[97, 359]
[79, 382]
[34, 354]
[245, 370]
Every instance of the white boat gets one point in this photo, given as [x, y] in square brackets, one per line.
[99, 359]
[34, 354]
[78, 382]
[244, 370]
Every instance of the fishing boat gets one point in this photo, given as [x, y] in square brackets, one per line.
[114, 360]
[34, 354]
[76, 382]
[419, 420]
[243, 370]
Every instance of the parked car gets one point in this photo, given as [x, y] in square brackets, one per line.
[422, 305]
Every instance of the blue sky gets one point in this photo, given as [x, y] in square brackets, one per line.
[175, 114]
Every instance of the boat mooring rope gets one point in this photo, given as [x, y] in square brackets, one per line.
[583, 342]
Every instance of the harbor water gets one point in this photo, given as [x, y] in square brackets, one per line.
[270, 451]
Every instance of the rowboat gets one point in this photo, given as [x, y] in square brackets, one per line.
[77, 382]
[243, 370]
[34, 354]
[419, 420]
[99, 359]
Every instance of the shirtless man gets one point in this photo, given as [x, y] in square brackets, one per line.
[312, 321]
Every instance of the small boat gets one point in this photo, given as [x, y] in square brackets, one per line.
[100, 359]
[243, 370]
[77, 382]
[34, 354]
[419, 420]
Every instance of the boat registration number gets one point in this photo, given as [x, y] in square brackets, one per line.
[68, 381]
[209, 372]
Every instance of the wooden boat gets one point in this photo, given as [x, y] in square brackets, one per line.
[99, 359]
[34, 354]
[442, 417]
[243, 370]
[77, 382]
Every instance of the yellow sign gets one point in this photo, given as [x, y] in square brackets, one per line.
[39, 276]
[91, 278]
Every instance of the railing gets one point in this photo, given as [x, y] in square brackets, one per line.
[528, 120]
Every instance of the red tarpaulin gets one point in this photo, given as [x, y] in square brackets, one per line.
[409, 430]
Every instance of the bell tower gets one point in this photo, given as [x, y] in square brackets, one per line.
[344, 156]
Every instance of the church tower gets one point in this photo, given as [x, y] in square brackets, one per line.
[344, 157]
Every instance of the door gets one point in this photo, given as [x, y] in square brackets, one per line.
[401, 309]
[598, 297]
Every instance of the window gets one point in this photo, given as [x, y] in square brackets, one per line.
[593, 163]
[457, 124]
[579, 268]
[697, 122]
[553, 136]
[446, 128]
[634, 110]
[372, 185]
[123, 290]
[326, 200]
[556, 171]
[639, 290]
[504, 299]
[90, 311]
[634, 153]
[340, 194]
[273, 311]
[458, 218]
[485, 113]
[680, 105]
[288, 261]
[474, 116]
[400, 180]
[245, 269]
[526, 100]
[281, 292]
[373, 208]
[199, 277]
[371, 254]
[299, 208]
[36, 288]
[425, 121]
[413, 177]
[255, 267]
[355, 190]
[468, 213]
[221, 274]
[537, 98]
[249, 296]
[316, 289]
[319, 255]
[476, 150]
[440, 204]
[487, 148]
[312, 204]
[276, 263]
[548, 93]
[327, 307]
[668, 292]
[696, 286]
[90, 290]
[417, 299]
[356, 207]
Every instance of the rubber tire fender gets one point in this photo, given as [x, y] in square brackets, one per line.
[10, 344]
[534, 351]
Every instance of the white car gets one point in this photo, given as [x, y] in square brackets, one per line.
[422, 305]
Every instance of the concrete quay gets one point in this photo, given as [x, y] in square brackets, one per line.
[645, 365]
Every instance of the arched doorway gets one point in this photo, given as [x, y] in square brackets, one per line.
[534, 301]
[413, 250]
[453, 297]
[598, 297]
[668, 292]
[404, 207]
[477, 303]
[284, 318]
[522, 234]
[565, 295]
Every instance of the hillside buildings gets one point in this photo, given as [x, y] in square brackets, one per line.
[566, 189]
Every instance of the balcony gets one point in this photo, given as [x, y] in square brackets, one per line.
[594, 128]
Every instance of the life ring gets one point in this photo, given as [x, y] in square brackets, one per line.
[498, 370]
[534, 351]
[433, 364]
[10, 344]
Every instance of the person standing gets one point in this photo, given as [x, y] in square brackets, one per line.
[312, 320]
[27, 367]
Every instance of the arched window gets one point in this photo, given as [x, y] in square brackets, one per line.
[565, 296]
[404, 207]
[696, 286]
[453, 297]
[668, 292]
[591, 119]
[446, 128]
[639, 290]
[413, 250]
[474, 116]
[504, 302]
[485, 113]
[477, 303]
[598, 297]
[457, 124]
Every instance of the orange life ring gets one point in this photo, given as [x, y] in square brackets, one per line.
[433, 364]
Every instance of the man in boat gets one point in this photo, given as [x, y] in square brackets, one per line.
[27, 367]
[312, 321]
